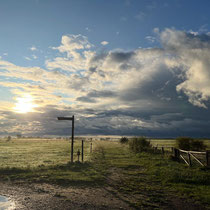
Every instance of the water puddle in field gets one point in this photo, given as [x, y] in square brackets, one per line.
[6, 203]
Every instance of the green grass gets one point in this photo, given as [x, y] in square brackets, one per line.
[32, 153]
[149, 178]
[154, 177]
[45, 160]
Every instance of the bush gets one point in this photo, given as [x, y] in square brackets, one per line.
[9, 138]
[198, 145]
[188, 143]
[124, 140]
[184, 143]
[139, 144]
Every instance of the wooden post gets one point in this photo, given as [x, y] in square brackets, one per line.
[91, 147]
[82, 150]
[155, 149]
[207, 158]
[163, 150]
[78, 154]
[72, 140]
[189, 159]
[176, 154]
[72, 135]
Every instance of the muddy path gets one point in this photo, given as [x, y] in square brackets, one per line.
[47, 196]
[34, 196]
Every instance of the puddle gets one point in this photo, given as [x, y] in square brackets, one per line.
[6, 203]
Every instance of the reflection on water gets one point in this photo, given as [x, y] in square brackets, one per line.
[6, 204]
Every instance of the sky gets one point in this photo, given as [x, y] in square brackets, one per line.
[122, 67]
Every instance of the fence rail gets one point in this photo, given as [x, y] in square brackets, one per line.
[189, 157]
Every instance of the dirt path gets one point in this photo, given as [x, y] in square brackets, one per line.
[38, 196]
[46, 196]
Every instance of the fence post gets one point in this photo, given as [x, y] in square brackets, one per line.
[189, 159]
[91, 147]
[82, 150]
[176, 153]
[207, 158]
[163, 150]
[78, 154]
[155, 149]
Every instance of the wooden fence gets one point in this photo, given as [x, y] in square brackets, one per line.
[189, 157]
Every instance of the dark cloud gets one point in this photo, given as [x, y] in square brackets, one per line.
[159, 92]
[92, 96]
[121, 56]
[86, 99]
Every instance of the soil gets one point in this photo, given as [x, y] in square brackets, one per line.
[38, 196]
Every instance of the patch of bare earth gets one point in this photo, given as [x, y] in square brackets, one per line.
[48, 196]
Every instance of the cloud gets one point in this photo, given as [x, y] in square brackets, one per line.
[150, 39]
[33, 48]
[34, 57]
[193, 58]
[104, 43]
[146, 91]
[140, 16]
[77, 53]
[27, 58]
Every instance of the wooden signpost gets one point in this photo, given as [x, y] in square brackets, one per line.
[72, 135]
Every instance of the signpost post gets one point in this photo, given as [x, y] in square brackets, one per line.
[72, 134]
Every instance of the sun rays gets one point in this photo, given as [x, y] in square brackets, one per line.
[24, 104]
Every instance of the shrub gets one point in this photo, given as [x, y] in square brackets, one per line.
[9, 138]
[184, 143]
[188, 143]
[198, 145]
[124, 140]
[139, 144]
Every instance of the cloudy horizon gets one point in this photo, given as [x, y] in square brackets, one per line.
[160, 88]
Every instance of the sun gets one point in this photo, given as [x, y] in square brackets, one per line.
[24, 104]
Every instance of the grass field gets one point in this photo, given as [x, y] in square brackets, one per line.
[148, 178]
[31, 153]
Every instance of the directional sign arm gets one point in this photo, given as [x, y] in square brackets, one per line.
[65, 118]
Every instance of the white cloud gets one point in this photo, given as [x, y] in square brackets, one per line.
[33, 48]
[76, 48]
[27, 58]
[104, 43]
[34, 56]
[142, 87]
[192, 55]
[150, 38]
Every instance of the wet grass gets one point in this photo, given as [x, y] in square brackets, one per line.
[148, 178]
[43, 160]
[154, 177]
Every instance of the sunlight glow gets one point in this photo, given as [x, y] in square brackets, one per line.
[25, 104]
